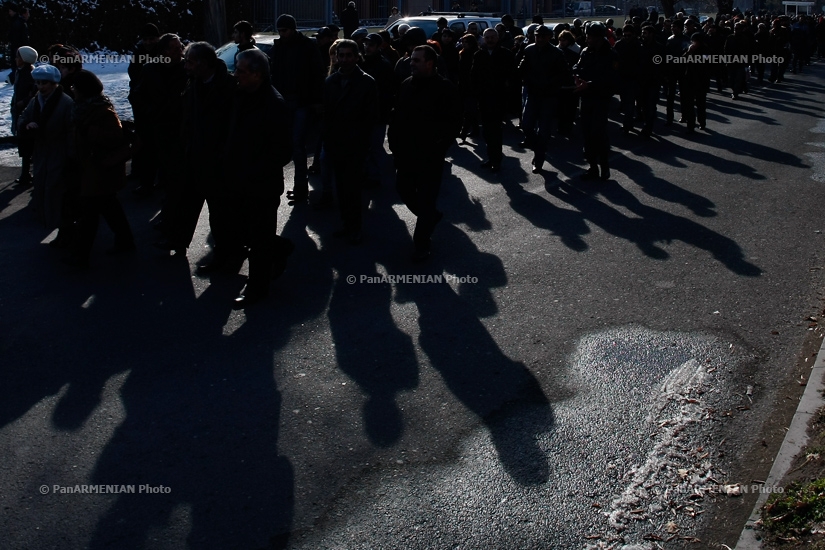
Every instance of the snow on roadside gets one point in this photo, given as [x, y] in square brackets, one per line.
[115, 85]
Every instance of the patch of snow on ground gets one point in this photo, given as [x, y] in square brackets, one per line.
[115, 85]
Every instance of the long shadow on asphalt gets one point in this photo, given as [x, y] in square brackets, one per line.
[202, 407]
[381, 358]
[651, 227]
[677, 155]
[567, 224]
[643, 175]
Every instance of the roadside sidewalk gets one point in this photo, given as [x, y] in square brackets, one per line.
[795, 440]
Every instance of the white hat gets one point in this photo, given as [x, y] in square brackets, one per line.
[27, 54]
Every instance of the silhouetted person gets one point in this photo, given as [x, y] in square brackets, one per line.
[425, 123]
[350, 112]
[257, 148]
[596, 78]
[101, 151]
[349, 19]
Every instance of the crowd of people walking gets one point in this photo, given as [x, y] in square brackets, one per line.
[207, 135]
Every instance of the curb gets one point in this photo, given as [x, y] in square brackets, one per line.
[796, 438]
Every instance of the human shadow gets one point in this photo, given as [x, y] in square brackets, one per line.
[642, 175]
[205, 421]
[380, 357]
[200, 408]
[501, 392]
[58, 323]
[567, 224]
[204, 425]
[652, 225]
[677, 155]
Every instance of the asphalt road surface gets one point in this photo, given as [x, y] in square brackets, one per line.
[578, 364]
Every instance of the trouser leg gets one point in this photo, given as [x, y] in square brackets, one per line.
[112, 211]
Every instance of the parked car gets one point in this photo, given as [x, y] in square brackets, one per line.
[608, 10]
[227, 52]
[549, 24]
[457, 22]
[575, 9]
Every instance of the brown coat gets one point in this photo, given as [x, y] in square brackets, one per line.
[99, 135]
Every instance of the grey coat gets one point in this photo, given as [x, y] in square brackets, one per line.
[52, 147]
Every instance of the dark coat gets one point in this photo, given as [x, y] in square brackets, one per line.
[206, 111]
[98, 134]
[491, 73]
[451, 62]
[258, 144]
[697, 75]
[544, 70]
[382, 72]
[652, 69]
[24, 88]
[139, 59]
[742, 46]
[350, 112]
[158, 100]
[599, 69]
[298, 71]
[426, 119]
[629, 53]
[571, 55]
[349, 21]
[465, 70]
[675, 47]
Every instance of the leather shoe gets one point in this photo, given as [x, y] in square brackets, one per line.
[591, 174]
[248, 298]
[487, 164]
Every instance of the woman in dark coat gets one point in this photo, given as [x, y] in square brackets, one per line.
[101, 152]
